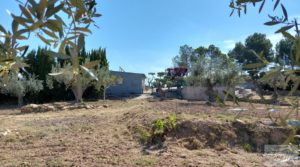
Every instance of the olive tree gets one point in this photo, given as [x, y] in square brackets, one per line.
[18, 85]
[106, 80]
[44, 19]
[210, 71]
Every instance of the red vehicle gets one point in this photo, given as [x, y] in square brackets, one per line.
[177, 72]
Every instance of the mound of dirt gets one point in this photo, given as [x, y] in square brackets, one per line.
[202, 134]
[195, 134]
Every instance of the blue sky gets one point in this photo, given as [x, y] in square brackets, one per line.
[144, 35]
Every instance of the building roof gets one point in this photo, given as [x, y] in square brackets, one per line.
[128, 73]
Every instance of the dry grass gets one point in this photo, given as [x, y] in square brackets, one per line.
[100, 137]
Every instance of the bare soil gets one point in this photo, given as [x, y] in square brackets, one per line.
[109, 135]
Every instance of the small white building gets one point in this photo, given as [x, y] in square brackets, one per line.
[133, 84]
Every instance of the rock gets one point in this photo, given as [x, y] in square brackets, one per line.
[183, 156]
[29, 108]
[37, 108]
[105, 106]
[51, 108]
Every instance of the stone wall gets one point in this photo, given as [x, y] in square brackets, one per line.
[198, 93]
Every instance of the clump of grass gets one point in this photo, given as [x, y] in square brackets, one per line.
[145, 161]
[57, 163]
[247, 147]
[158, 130]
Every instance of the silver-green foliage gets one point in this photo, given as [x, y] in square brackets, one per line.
[220, 70]
[18, 85]
[43, 18]
[106, 79]
[84, 77]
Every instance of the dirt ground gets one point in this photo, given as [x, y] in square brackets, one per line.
[103, 136]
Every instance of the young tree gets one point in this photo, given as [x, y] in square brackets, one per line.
[106, 80]
[18, 85]
[150, 80]
[42, 18]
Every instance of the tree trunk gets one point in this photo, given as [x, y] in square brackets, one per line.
[104, 93]
[20, 101]
[275, 95]
[77, 91]
[210, 91]
[259, 89]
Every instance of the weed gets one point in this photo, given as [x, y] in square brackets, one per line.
[159, 128]
[145, 161]
[54, 163]
[86, 129]
[247, 147]
[145, 136]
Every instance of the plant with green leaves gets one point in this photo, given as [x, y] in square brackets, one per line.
[18, 85]
[150, 80]
[210, 68]
[106, 80]
[244, 54]
[43, 18]
[64, 75]
[290, 75]
[288, 24]
[159, 129]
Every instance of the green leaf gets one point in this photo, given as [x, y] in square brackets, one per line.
[21, 20]
[298, 50]
[54, 25]
[254, 65]
[56, 74]
[51, 2]
[2, 29]
[284, 12]
[36, 25]
[33, 3]
[58, 55]
[276, 4]
[288, 35]
[77, 3]
[22, 48]
[285, 28]
[20, 32]
[82, 29]
[89, 72]
[71, 38]
[295, 86]
[14, 26]
[26, 13]
[42, 7]
[50, 33]
[59, 19]
[262, 6]
[44, 39]
[20, 37]
[52, 11]
[271, 23]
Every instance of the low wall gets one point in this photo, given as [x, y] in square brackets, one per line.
[198, 93]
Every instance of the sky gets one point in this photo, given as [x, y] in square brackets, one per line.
[144, 35]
